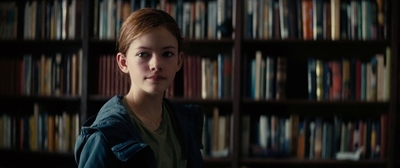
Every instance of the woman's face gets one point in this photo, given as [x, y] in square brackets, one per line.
[152, 61]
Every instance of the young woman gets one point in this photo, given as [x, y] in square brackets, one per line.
[142, 128]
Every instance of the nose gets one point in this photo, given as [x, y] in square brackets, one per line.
[155, 63]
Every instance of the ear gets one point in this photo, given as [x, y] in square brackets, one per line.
[122, 62]
[180, 61]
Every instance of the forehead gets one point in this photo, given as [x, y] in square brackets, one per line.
[155, 38]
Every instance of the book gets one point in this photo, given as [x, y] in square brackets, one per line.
[317, 19]
[200, 18]
[215, 130]
[270, 78]
[327, 20]
[294, 120]
[51, 133]
[384, 120]
[344, 20]
[345, 91]
[326, 140]
[352, 81]
[249, 14]
[363, 91]
[252, 78]
[311, 139]
[263, 131]
[318, 142]
[337, 132]
[204, 69]
[343, 137]
[354, 20]
[335, 19]
[27, 75]
[274, 134]
[186, 31]
[221, 15]
[336, 86]
[245, 131]
[307, 18]
[258, 77]
[222, 132]
[57, 74]
[358, 80]
[220, 70]
[211, 20]
[48, 78]
[312, 79]
[266, 18]
[207, 135]
[281, 65]
[327, 79]
[301, 144]
[276, 29]
[380, 77]
[319, 79]
[362, 136]
[74, 74]
[372, 89]
[227, 76]
[299, 18]
[374, 143]
[387, 74]
[284, 18]
[214, 81]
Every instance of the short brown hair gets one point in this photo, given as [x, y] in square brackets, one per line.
[143, 20]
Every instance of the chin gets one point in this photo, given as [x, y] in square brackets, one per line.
[156, 92]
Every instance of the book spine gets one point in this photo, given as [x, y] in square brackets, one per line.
[311, 78]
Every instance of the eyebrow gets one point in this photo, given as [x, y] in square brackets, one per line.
[167, 47]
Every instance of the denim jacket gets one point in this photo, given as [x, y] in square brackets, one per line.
[110, 139]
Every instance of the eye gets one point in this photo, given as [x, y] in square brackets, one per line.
[142, 54]
[168, 54]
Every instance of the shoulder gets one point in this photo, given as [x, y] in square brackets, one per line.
[112, 121]
[113, 111]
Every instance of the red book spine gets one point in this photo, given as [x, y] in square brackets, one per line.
[307, 14]
[336, 87]
[384, 134]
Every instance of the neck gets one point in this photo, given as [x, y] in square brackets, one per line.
[147, 107]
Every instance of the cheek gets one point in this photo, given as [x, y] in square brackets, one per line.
[135, 64]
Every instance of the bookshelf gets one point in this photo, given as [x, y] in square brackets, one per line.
[91, 45]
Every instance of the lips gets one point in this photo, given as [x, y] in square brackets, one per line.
[155, 77]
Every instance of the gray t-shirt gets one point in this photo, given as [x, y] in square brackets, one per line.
[164, 140]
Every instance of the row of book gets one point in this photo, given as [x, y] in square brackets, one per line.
[217, 133]
[317, 19]
[197, 19]
[9, 20]
[41, 130]
[350, 78]
[51, 74]
[111, 80]
[42, 74]
[317, 137]
[207, 77]
[267, 77]
[52, 19]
